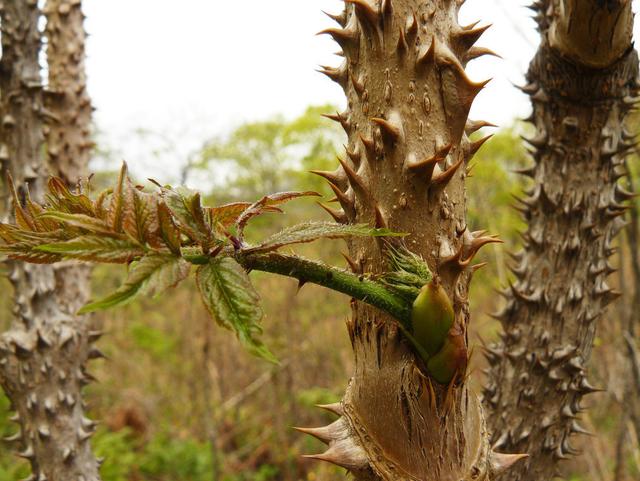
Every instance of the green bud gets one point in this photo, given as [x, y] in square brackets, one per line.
[431, 317]
[451, 359]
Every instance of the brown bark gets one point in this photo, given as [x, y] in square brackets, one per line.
[581, 82]
[42, 356]
[68, 136]
[405, 166]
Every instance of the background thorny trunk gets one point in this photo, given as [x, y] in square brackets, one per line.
[42, 357]
[405, 165]
[581, 84]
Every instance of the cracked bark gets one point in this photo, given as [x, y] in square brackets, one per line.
[43, 355]
[404, 167]
[582, 83]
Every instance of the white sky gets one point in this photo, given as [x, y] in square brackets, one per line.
[191, 69]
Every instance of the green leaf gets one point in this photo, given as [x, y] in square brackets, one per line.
[151, 275]
[95, 249]
[186, 209]
[233, 302]
[311, 231]
[81, 221]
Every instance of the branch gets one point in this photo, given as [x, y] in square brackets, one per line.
[358, 287]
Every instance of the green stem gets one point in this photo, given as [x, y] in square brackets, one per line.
[358, 287]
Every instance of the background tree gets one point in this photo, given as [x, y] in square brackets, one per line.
[43, 355]
[582, 84]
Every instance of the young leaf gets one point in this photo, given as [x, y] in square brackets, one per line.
[228, 214]
[268, 204]
[66, 201]
[151, 275]
[311, 231]
[186, 209]
[22, 216]
[140, 218]
[101, 204]
[115, 211]
[22, 251]
[80, 221]
[232, 301]
[168, 230]
[95, 249]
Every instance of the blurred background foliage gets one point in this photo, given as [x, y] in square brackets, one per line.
[179, 400]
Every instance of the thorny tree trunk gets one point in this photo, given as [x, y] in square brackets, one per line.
[42, 357]
[405, 165]
[581, 84]
[630, 401]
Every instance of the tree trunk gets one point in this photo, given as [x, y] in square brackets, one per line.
[42, 356]
[581, 82]
[405, 166]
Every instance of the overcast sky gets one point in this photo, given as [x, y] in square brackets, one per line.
[191, 69]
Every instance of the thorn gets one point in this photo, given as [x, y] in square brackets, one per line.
[326, 434]
[502, 462]
[381, 222]
[336, 177]
[342, 119]
[353, 265]
[337, 74]
[301, 283]
[469, 36]
[476, 52]
[427, 56]
[475, 146]
[342, 36]
[354, 155]
[96, 353]
[389, 128]
[344, 454]
[354, 179]
[346, 201]
[369, 145]
[540, 96]
[365, 12]
[27, 453]
[479, 266]
[357, 85]
[412, 25]
[445, 177]
[537, 142]
[95, 335]
[318, 433]
[424, 168]
[13, 438]
[475, 125]
[576, 428]
[338, 215]
[341, 19]
[335, 408]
